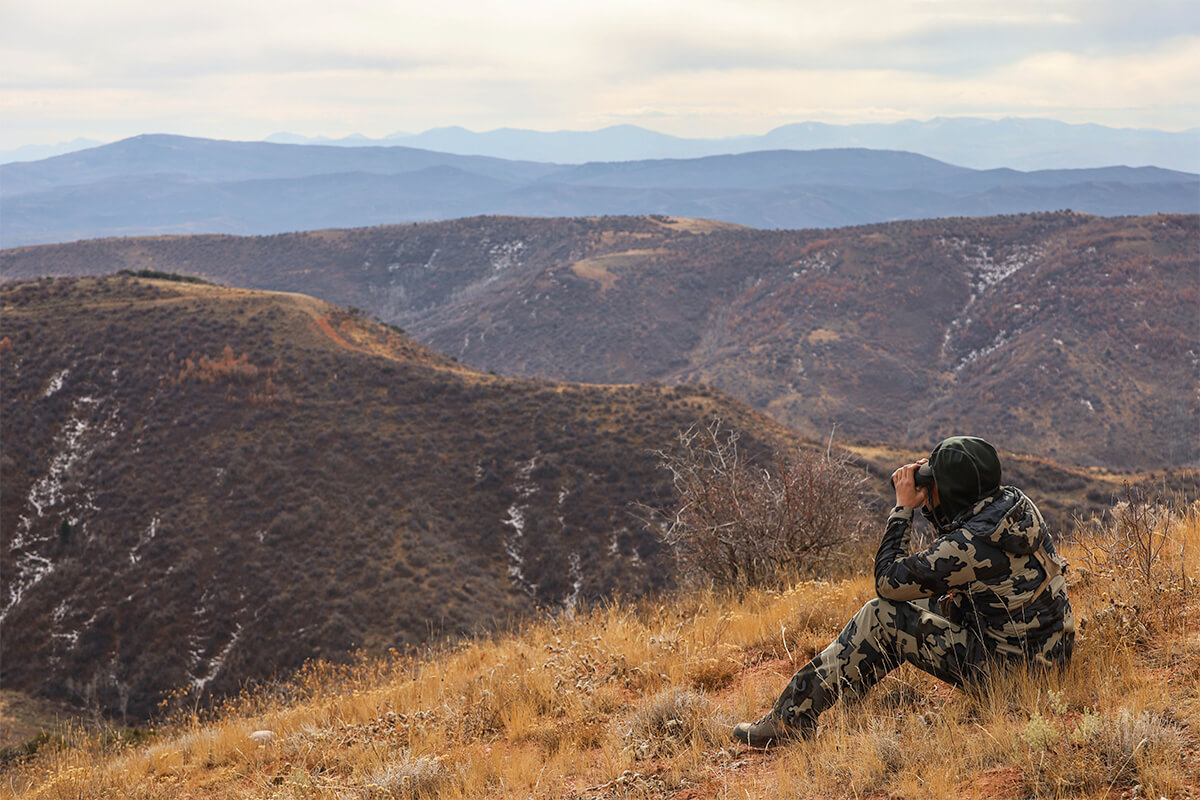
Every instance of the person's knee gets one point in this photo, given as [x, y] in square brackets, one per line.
[878, 620]
[879, 609]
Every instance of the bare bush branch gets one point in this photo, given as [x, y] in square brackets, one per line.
[739, 524]
[1134, 541]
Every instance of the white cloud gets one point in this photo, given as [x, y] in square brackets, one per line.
[246, 68]
[1118, 81]
[1048, 84]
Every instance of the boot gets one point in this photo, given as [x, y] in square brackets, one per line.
[771, 730]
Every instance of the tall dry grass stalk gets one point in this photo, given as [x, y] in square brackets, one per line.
[635, 700]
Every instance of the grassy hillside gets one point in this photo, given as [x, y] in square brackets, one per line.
[24, 718]
[634, 700]
[204, 485]
[1065, 336]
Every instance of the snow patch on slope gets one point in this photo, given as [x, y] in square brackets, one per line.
[984, 271]
[144, 539]
[75, 443]
[814, 263]
[48, 490]
[204, 669]
[575, 570]
[514, 543]
[56, 383]
[201, 680]
[506, 255]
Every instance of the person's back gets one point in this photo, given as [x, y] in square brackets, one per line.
[1017, 598]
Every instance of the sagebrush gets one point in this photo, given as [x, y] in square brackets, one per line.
[740, 522]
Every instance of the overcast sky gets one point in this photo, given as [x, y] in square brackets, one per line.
[244, 69]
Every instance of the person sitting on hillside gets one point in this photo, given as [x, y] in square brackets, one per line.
[993, 565]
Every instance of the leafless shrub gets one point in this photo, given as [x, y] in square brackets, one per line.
[669, 721]
[1142, 527]
[1133, 542]
[741, 524]
[1102, 751]
[415, 778]
[1139, 557]
[1129, 735]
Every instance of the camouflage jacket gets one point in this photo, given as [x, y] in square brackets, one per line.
[999, 566]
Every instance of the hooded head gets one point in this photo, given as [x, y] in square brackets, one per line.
[965, 468]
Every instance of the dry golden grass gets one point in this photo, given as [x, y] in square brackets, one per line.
[599, 268]
[636, 700]
[694, 225]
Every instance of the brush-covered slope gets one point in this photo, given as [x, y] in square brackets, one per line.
[637, 701]
[1063, 335]
[204, 485]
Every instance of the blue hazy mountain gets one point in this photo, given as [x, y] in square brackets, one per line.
[159, 184]
[33, 152]
[219, 160]
[1019, 143]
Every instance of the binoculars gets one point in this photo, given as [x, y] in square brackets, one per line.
[922, 477]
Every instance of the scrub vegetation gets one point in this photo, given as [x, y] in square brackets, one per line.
[633, 699]
[207, 489]
[1061, 334]
[204, 485]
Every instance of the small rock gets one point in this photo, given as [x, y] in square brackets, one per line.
[263, 738]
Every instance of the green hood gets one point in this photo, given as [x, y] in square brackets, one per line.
[965, 468]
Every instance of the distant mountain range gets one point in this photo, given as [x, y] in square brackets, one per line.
[159, 184]
[1068, 336]
[1020, 143]
[34, 152]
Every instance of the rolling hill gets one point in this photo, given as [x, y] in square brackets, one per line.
[204, 485]
[1061, 335]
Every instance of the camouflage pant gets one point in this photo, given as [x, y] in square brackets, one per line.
[882, 635]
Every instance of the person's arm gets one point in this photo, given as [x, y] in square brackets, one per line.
[899, 576]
